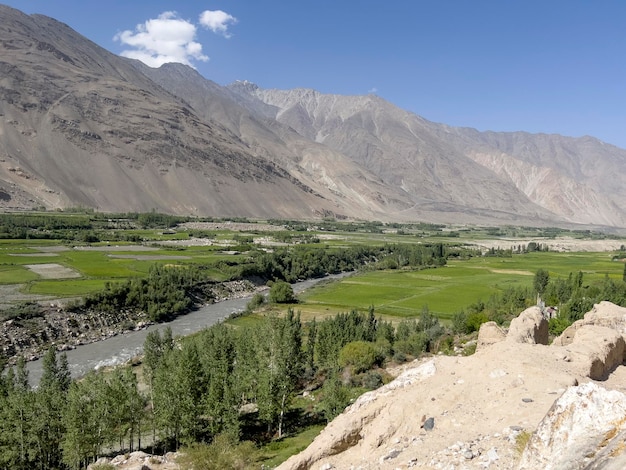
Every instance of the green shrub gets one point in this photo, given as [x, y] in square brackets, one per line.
[223, 452]
[414, 345]
[359, 355]
[335, 397]
[474, 320]
[371, 380]
[281, 292]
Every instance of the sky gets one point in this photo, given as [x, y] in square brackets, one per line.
[550, 66]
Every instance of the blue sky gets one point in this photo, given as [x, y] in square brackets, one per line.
[553, 66]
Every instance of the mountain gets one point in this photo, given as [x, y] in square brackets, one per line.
[578, 180]
[80, 126]
[83, 127]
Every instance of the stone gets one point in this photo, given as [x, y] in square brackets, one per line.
[596, 351]
[529, 327]
[605, 314]
[429, 424]
[488, 334]
[392, 454]
[585, 428]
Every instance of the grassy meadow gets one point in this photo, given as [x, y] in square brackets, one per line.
[448, 289]
[393, 293]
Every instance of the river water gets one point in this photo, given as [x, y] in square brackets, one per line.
[121, 348]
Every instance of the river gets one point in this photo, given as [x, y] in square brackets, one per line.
[121, 348]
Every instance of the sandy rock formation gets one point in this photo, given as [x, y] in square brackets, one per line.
[602, 314]
[489, 333]
[529, 327]
[595, 351]
[585, 429]
[466, 412]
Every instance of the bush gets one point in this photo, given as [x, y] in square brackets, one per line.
[335, 398]
[281, 292]
[359, 355]
[223, 452]
[474, 320]
[414, 345]
[255, 302]
[371, 380]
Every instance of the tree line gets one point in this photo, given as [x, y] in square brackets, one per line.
[168, 291]
[224, 381]
[571, 297]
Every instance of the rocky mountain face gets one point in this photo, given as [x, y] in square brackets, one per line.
[80, 126]
[448, 169]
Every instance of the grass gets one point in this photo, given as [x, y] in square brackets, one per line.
[15, 274]
[447, 290]
[96, 267]
[62, 288]
[521, 441]
[276, 452]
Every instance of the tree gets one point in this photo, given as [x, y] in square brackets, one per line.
[281, 292]
[542, 278]
[335, 397]
[178, 388]
[17, 445]
[86, 420]
[360, 355]
[280, 366]
[49, 403]
[218, 357]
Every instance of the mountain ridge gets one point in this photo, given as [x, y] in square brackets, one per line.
[80, 126]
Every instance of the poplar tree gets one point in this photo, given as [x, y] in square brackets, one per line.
[280, 367]
[49, 404]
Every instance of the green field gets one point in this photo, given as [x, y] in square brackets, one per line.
[394, 293]
[447, 290]
[96, 264]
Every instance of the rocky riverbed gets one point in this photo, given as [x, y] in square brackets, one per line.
[68, 329]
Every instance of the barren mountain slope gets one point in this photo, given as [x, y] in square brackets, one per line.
[581, 179]
[446, 168]
[81, 126]
[315, 165]
[397, 146]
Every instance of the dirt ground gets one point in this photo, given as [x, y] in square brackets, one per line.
[561, 244]
[53, 271]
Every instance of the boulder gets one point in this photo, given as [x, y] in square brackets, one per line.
[605, 314]
[489, 333]
[584, 429]
[529, 327]
[595, 351]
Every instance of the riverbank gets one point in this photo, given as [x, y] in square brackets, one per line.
[66, 330]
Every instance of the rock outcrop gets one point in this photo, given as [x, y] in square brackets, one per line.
[489, 334]
[469, 412]
[584, 429]
[529, 327]
[138, 461]
[603, 314]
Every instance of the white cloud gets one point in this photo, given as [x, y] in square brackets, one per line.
[167, 38]
[373, 90]
[217, 21]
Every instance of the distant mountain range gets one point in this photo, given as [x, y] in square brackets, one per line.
[80, 126]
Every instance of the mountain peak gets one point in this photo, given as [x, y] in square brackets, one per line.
[244, 85]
